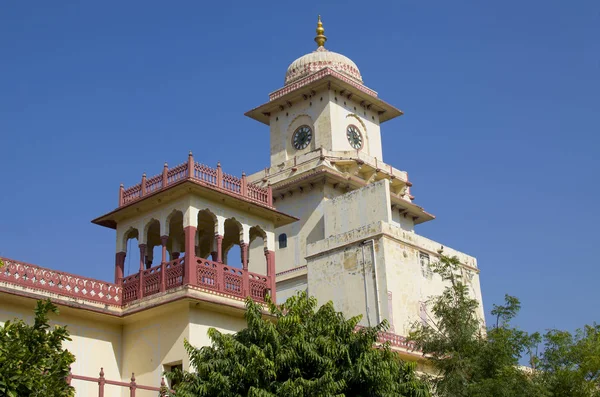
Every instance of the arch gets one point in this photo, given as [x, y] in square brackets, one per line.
[175, 243]
[357, 117]
[131, 233]
[152, 236]
[233, 236]
[132, 258]
[257, 261]
[205, 233]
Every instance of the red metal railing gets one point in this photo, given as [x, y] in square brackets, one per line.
[132, 385]
[200, 174]
[61, 283]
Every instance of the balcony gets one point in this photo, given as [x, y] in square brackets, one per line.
[200, 174]
[20, 277]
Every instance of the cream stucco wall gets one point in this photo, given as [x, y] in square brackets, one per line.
[96, 341]
[328, 113]
[154, 338]
[358, 208]
[341, 268]
[308, 207]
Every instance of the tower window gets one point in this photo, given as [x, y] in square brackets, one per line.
[282, 240]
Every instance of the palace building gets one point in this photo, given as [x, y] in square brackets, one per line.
[327, 216]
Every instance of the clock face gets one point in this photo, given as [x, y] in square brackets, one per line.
[354, 137]
[302, 137]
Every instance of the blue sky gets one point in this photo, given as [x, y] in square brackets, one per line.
[500, 132]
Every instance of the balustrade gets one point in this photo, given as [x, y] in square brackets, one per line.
[209, 275]
[197, 173]
[35, 277]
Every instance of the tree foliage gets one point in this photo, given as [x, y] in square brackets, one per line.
[32, 360]
[570, 365]
[467, 360]
[471, 361]
[301, 351]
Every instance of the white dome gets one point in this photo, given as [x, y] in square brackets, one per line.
[319, 59]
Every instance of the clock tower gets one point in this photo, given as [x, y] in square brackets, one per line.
[355, 242]
[323, 104]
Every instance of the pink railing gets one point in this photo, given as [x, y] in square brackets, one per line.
[101, 381]
[205, 174]
[232, 183]
[154, 280]
[38, 278]
[258, 193]
[258, 285]
[230, 280]
[200, 174]
[396, 340]
[131, 288]
[209, 275]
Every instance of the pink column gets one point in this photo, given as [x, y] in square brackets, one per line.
[190, 258]
[244, 185]
[219, 239]
[270, 255]
[190, 165]
[119, 267]
[101, 383]
[121, 191]
[244, 252]
[165, 175]
[163, 243]
[141, 278]
[245, 276]
[219, 175]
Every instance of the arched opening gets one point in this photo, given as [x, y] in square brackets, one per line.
[153, 245]
[175, 243]
[257, 262]
[205, 234]
[231, 243]
[132, 260]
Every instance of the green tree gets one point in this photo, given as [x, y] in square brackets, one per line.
[570, 365]
[300, 351]
[32, 360]
[467, 360]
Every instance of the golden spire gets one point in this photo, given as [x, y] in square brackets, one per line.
[320, 39]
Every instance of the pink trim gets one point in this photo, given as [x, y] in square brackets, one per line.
[200, 174]
[317, 76]
[41, 279]
[225, 280]
[101, 381]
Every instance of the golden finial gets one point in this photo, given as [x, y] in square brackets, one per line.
[320, 39]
